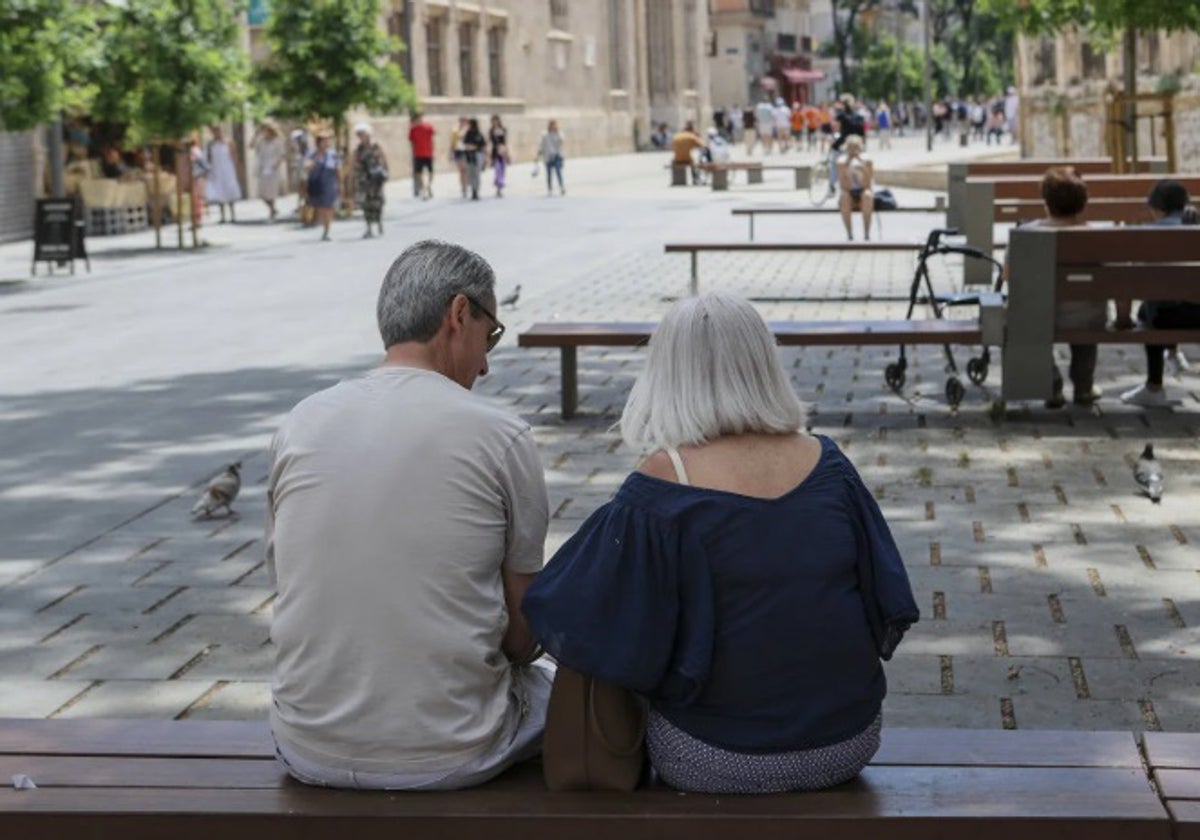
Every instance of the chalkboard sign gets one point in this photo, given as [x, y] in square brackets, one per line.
[58, 232]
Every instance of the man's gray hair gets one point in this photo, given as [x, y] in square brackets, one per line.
[713, 369]
[420, 284]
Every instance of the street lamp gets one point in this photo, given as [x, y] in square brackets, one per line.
[928, 80]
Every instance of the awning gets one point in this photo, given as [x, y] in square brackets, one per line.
[798, 77]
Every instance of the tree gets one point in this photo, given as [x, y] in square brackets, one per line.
[845, 27]
[48, 55]
[328, 57]
[171, 67]
[877, 73]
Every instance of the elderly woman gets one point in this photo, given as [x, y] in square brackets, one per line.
[370, 177]
[270, 153]
[742, 579]
[856, 176]
[324, 173]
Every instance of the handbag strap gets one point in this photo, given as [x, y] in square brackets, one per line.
[677, 462]
[598, 730]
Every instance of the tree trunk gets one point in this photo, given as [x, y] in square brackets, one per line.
[179, 170]
[156, 203]
[1130, 115]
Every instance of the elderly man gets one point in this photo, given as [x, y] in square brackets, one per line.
[406, 517]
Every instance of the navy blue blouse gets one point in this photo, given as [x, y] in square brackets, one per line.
[756, 625]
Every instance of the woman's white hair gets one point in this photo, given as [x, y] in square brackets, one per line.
[713, 369]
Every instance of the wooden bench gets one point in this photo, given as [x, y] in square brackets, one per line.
[191, 780]
[719, 172]
[569, 337]
[999, 169]
[751, 212]
[802, 173]
[1048, 267]
[1174, 760]
[1111, 198]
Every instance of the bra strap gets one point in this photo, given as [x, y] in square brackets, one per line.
[680, 472]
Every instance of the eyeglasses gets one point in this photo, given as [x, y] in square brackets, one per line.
[497, 331]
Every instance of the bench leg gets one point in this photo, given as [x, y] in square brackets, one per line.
[570, 382]
[694, 282]
[754, 176]
[751, 218]
[679, 176]
[803, 177]
[720, 179]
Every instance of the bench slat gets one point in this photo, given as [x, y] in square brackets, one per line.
[1186, 815]
[772, 211]
[1134, 336]
[59, 771]
[1172, 749]
[681, 248]
[166, 738]
[1179, 784]
[1158, 244]
[1007, 748]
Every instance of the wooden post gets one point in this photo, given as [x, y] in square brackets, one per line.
[570, 382]
[694, 285]
[156, 203]
[183, 164]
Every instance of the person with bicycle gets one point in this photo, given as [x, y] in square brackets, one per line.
[847, 122]
[855, 175]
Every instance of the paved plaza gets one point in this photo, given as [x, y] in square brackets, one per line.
[1052, 594]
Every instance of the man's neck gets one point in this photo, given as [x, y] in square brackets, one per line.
[414, 354]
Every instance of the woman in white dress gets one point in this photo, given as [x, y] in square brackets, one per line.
[222, 185]
[269, 155]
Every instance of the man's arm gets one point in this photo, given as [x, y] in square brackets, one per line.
[518, 645]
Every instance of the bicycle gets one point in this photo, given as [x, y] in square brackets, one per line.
[894, 374]
[820, 188]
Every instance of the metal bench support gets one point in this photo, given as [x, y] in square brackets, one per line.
[754, 175]
[570, 381]
[720, 179]
[1028, 358]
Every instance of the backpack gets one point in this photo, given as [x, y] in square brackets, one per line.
[884, 200]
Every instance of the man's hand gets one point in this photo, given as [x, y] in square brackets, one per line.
[519, 644]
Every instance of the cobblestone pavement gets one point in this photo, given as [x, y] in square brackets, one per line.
[1052, 595]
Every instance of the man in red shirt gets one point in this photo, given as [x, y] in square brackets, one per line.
[420, 135]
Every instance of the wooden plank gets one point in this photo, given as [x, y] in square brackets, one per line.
[1186, 815]
[792, 211]
[676, 248]
[60, 771]
[1172, 749]
[1038, 166]
[1125, 211]
[1158, 244]
[1099, 186]
[1134, 336]
[166, 738]
[1149, 280]
[1000, 748]
[1178, 783]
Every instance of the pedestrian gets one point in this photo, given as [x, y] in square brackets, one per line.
[797, 126]
[734, 119]
[683, 144]
[979, 114]
[299, 143]
[855, 176]
[269, 155]
[883, 121]
[783, 125]
[764, 121]
[458, 153]
[1012, 107]
[370, 177]
[420, 137]
[324, 173]
[498, 138]
[550, 153]
[221, 186]
[750, 127]
[198, 170]
[406, 518]
[475, 155]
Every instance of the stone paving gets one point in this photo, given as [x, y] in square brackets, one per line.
[1052, 595]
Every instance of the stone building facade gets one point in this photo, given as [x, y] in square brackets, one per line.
[761, 47]
[1062, 83]
[606, 70]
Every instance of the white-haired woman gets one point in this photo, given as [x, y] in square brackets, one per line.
[742, 579]
[370, 177]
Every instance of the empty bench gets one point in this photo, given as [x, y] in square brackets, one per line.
[192, 780]
[719, 172]
[751, 212]
[569, 337]
[1048, 267]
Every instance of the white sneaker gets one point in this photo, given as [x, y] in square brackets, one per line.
[1146, 397]
[1177, 363]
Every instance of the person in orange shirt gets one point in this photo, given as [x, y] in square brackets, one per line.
[797, 125]
[683, 144]
[812, 125]
[826, 127]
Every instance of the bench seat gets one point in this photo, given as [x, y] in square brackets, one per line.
[1174, 759]
[190, 780]
[568, 337]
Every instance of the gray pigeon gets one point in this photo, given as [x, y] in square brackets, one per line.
[511, 300]
[1148, 474]
[220, 493]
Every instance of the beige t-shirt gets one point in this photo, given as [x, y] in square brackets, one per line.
[394, 500]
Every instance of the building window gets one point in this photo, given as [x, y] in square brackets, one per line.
[466, 57]
[559, 18]
[395, 29]
[785, 43]
[1094, 64]
[433, 56]
[495, 49]
[1045, 66]
[616, 44]
[806, 43]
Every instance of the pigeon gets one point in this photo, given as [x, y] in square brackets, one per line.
[220, 493]
[1148, 473]
[511, 300]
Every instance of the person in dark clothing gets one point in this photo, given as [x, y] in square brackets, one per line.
[474, 148]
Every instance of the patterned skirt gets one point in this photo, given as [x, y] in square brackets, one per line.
[687, 763]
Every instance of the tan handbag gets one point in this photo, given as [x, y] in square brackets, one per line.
[595, 735]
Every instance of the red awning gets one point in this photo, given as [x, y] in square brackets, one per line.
[797, 76]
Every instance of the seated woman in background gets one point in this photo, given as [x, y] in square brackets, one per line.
[856, 175]
[1170, 203]
[742, 579]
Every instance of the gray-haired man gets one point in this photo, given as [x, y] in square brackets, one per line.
[407, 516]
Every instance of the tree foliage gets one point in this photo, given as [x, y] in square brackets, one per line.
[1103, 16]
[877, 73]
[171, 67]
[328, 57]
[49, 54]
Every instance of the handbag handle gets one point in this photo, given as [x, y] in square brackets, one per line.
[594, 722]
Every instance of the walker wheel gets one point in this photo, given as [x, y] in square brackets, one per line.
[894, 375]
[977, 370]
[954, 391]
